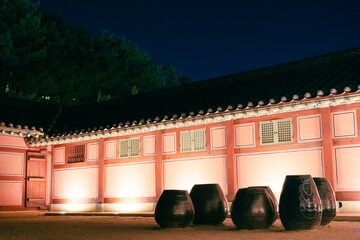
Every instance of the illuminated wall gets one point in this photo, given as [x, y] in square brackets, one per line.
[75, 183]
[347, 167]
[184, 173]
[11, 165]
[12, 141]
[130, 180]
[324, 145]
[12, 170]
[11, 193]
[271, 168]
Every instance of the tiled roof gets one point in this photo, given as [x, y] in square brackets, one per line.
[274, 84]
[23, 114]
[328, 73]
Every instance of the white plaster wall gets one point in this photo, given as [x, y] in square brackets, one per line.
[169, 143]
[309, 128]
[11, 193]
[130, 180]
[347, 167]
[344, 124]
[93, 152]
[59, 155]
[149, 145]
[245, 135]
[110, 149]
[218, 138]
[13, 141]
[75, 183]
[271, 168]
[11, 164]
[182, 174]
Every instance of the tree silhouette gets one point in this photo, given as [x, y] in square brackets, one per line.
[44, 56]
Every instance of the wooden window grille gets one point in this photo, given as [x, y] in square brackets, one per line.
[193, 140]
[267, 132]
[76, 153]
[285, 133]
[134, 147]
[124, 148]
[129, 147]
[276, 132]
[199, 140]
[185, 141]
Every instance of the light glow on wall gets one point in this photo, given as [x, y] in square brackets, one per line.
[129, 207]
[76, 183]
[349, 207]
[77, 207]
[271, 168]
[184, 173]
[130, 180]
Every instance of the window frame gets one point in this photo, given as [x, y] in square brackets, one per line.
[76, 152]
[275, 132]
[134, 142]
[194, 140]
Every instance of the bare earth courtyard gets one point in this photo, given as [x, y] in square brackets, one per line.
[117, 227]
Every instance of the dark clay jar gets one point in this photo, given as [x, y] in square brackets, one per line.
[300, 204]
[210, 204]
[273, 200]
[328, 201]
[252, 208]
[174, 209]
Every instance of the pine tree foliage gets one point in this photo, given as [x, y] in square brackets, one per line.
[43, 56]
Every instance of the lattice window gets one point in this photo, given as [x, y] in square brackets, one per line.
[276, 132]
[285, 133]
[185, 141]
[76, 153]
[199, 140]
[124, 148]
[267, 132]
[134, 147]
[193, 140]
[129, 148]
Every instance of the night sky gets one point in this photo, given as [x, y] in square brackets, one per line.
[206, 38]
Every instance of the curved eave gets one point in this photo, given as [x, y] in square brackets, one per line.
[247, 112]
[21, 132]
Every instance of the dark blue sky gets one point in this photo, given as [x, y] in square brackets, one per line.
[206, 38]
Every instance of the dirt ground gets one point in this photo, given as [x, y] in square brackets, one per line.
[117, 227]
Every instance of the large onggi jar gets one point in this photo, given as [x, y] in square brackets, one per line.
[210, 204]
[174, 209]
[273, 199]
[253, 208]
[300, 204]
[328, 201]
